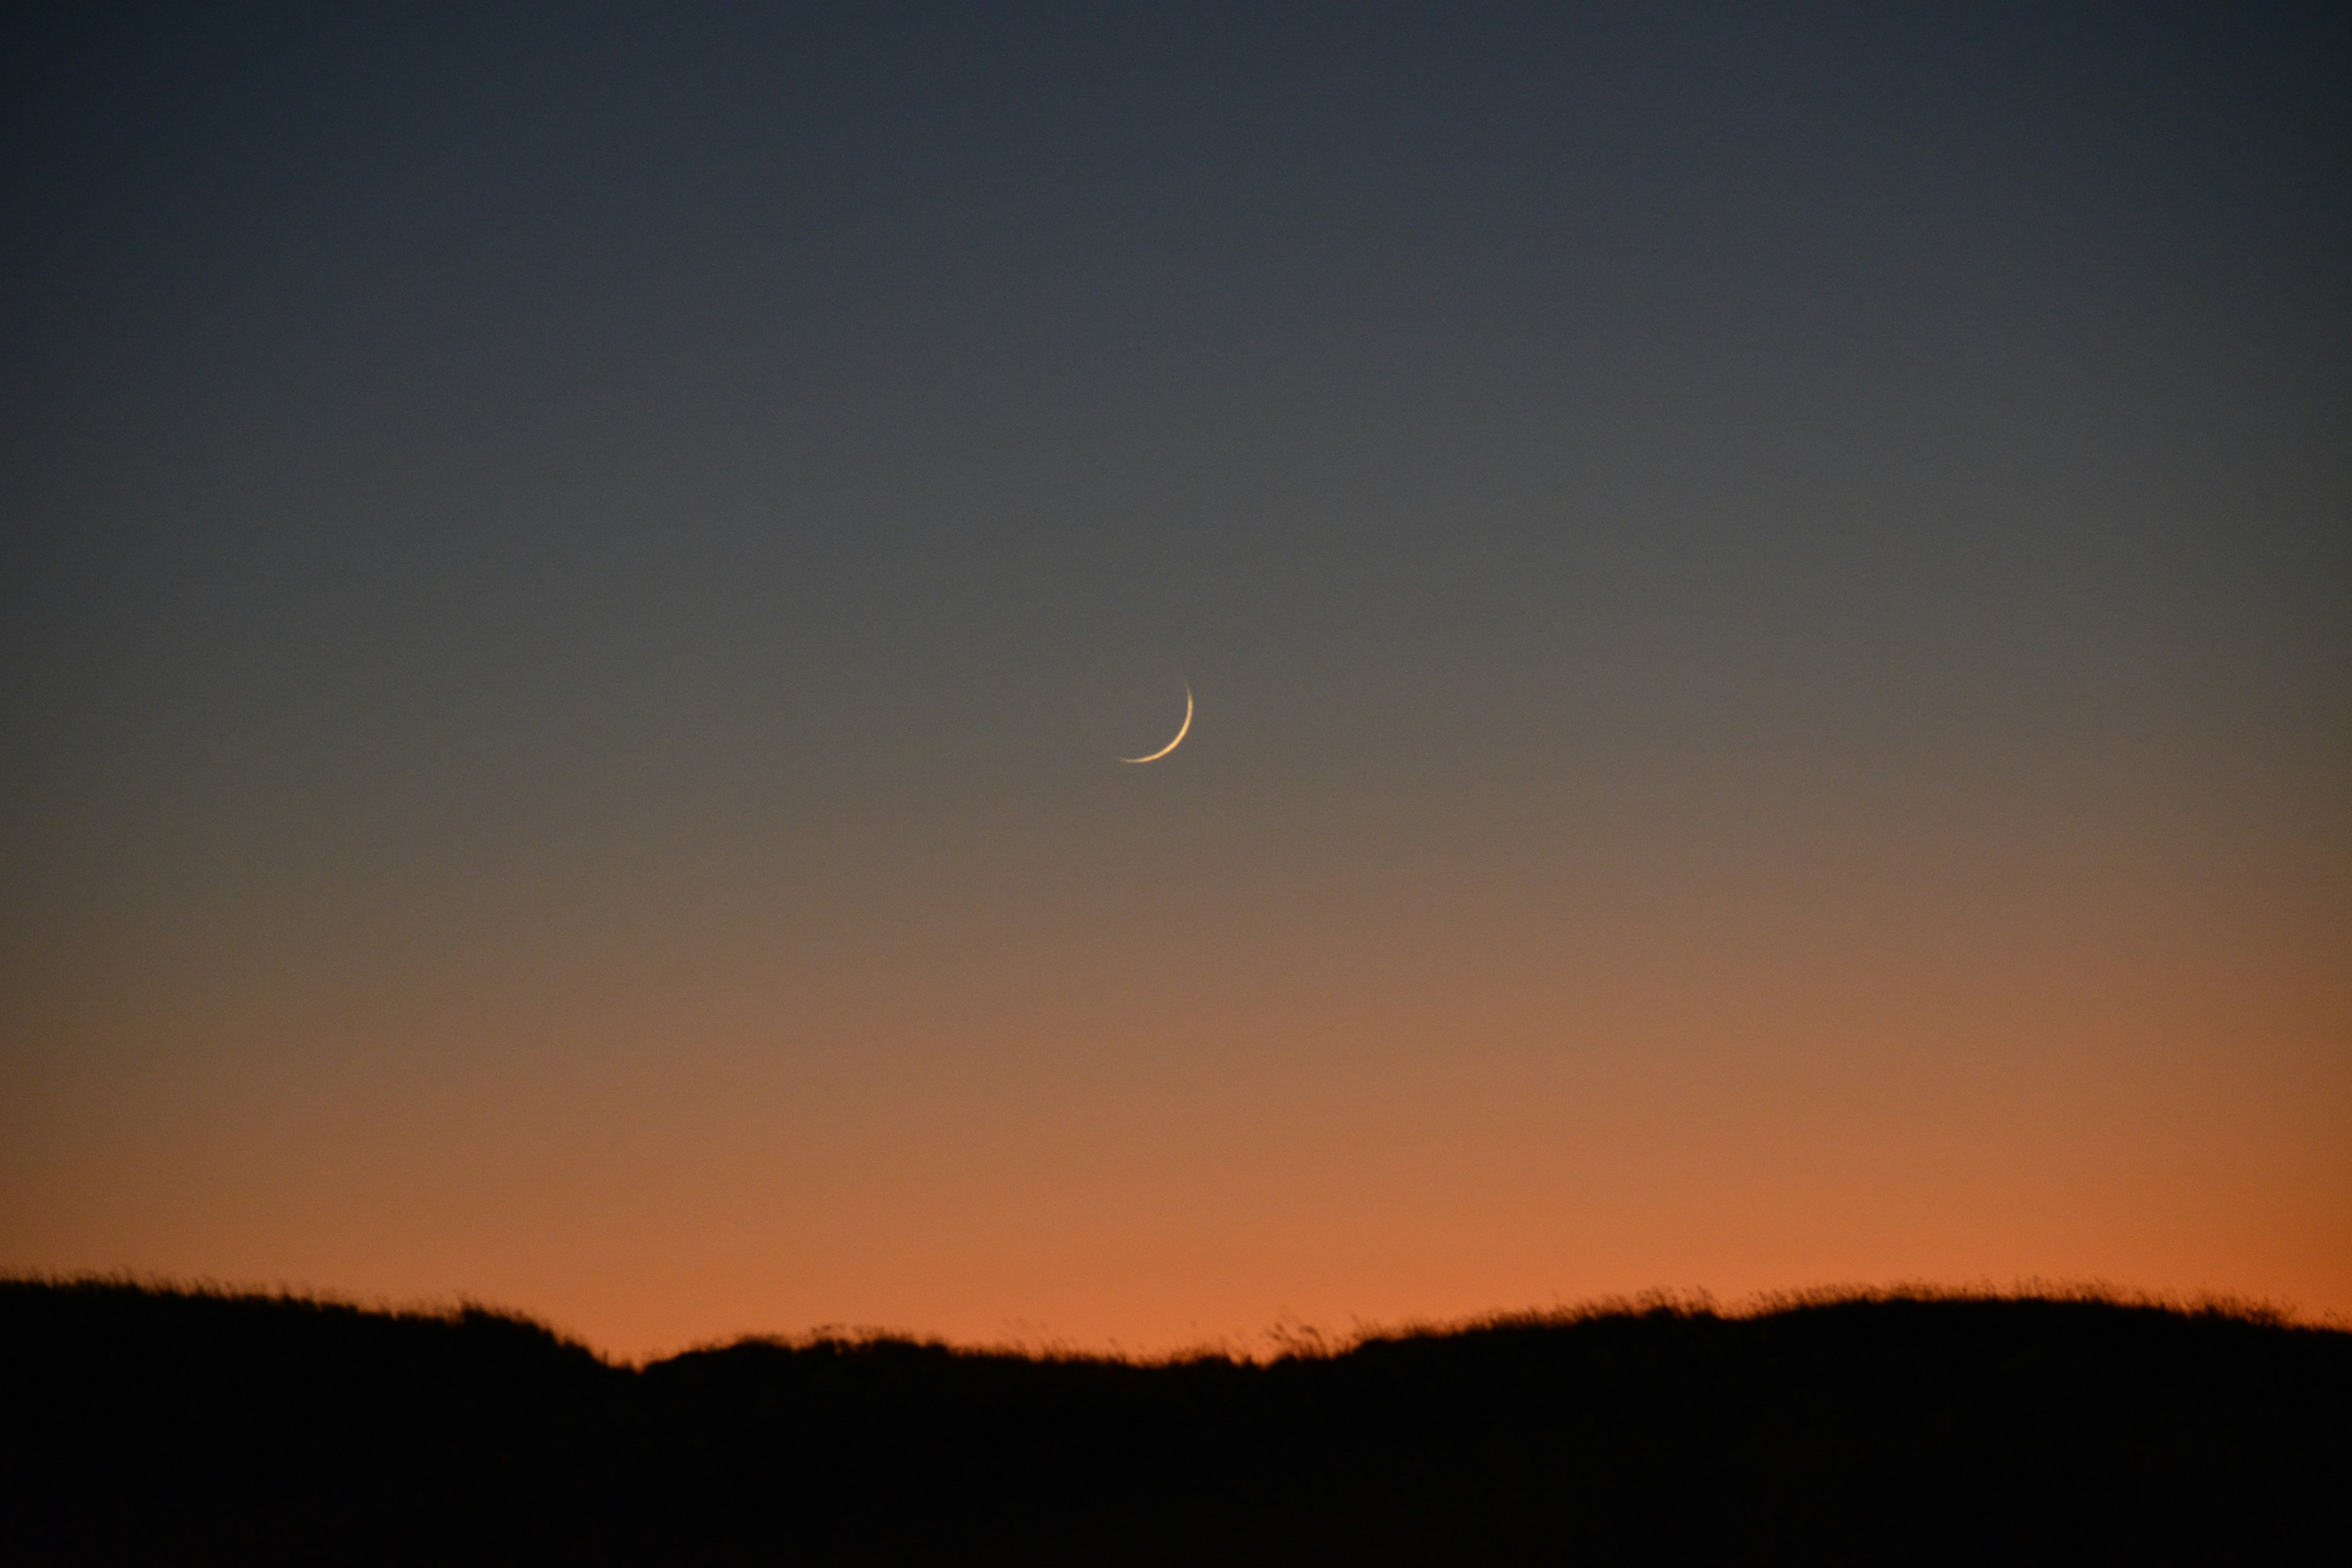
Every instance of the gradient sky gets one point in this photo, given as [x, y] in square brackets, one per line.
[1769, 591]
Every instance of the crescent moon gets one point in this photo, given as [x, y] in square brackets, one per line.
[1181, 732]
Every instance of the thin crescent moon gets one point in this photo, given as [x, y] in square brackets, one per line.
[1181, 732]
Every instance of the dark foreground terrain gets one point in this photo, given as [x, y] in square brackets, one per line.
[145, 1425]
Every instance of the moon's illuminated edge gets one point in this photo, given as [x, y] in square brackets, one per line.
[1182, 730]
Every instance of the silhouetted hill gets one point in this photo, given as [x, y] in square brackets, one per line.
[168, 1426]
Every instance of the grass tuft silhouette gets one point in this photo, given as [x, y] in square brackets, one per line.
[163, 1422]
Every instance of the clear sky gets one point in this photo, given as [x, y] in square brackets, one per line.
[1767, 592]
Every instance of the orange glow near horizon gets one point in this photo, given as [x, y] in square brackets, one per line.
[1108, 1120]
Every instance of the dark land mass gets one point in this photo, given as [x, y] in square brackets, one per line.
[166, 1426]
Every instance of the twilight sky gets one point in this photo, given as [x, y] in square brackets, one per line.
[1768, 592]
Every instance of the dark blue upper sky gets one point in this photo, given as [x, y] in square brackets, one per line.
[403, 400]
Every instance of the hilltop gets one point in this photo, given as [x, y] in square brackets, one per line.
[152, 1423]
